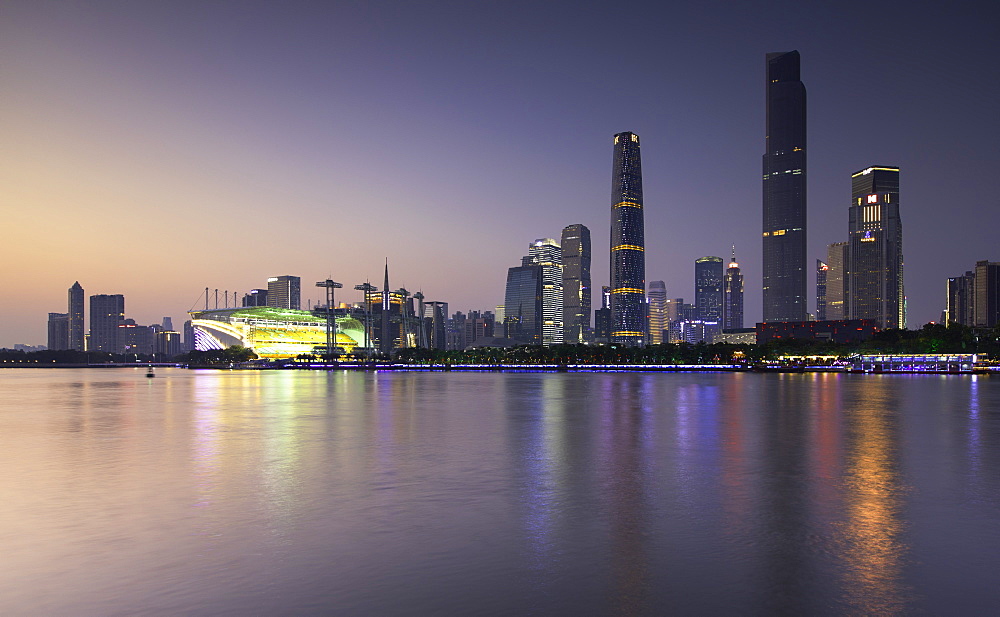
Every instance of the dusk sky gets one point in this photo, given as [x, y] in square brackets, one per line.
[155, 149]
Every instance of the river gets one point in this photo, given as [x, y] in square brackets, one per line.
[395, 493]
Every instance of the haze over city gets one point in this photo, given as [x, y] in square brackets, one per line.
[155, 150]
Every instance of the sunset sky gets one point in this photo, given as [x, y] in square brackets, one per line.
[155, 149]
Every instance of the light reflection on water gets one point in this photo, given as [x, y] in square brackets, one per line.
[205, 492]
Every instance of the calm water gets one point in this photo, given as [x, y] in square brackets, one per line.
[203, 492]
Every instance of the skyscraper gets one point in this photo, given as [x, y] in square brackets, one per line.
[986, 299]
[107, 312]
[785, 191]
[76, 323]
[628, 259]
[284, 292]
[836, 263]
[961, 299]
[657, 311]
[821, 271]
[523, 303]
[576, 284]
[58, 331]
[547, 253]
[708, 288]
[732, 296]
[874, 282]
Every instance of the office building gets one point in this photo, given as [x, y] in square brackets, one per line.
[58, 327]
[732, 296]
[576, 284]
[628, 259]
[836, 263]
[821, 270]
[784, 191]
[838, 331]
[708, 288]
[546, 253]
[255, 297]
[284, 292]
[961, 299]
[107, 312]
[76, 324]
[657, 312]
[874, 283]
[986, 299]
[602, 318]
[523, 304]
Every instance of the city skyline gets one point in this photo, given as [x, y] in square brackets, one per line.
[154, 151]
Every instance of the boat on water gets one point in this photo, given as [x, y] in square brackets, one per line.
[150, 373]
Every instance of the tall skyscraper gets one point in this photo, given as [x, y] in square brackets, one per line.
[784, 229]
[547, 253]
[657, 311]
[732, 296]
[576, 284]
[284, 292]
[821, 271]
[836, 264]
[628, 258]
[986, 299]
[708, 288]
[58, 331]
[107, 312]
[76, 323]
[874, 284]
[523, 304]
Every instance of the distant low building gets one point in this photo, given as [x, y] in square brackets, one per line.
[838, 331]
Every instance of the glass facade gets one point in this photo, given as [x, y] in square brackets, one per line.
[732, 302]
[874, 282]
[628, 260]
[523, 304]
[784, 191]
[708, 288]
[576, 284]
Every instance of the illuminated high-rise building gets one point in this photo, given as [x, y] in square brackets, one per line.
[576, 284]
[874, 282]
[107, 312]
[784, 193]
[284, 292]
[836, 264]
[657, 311]
[986, 294]
[523, 304]
[708, 288]
[732, 296]
[76, 323]
[821, 271]
[547, 253]
[628, 259]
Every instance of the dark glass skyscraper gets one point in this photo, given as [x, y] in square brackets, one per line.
[708, 288]
[107, 312]
[576, 284]
[628, 259]
[874, 284]
[523, 304]
[785, 191]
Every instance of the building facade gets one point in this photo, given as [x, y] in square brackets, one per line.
[76, 323]
[784, 191]
[821, 271]
[874, 283]
[986, 300]
[708, 292]
[576, 284]
[58, 327]
[546, 253]
[523, 304]
[284, 292]
[107, 312]
[836, 264]
[628, 258]
[656, 300]
[732, 296]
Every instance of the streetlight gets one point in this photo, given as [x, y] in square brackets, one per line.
[331, 329]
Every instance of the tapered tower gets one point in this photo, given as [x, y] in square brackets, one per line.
[628, 259]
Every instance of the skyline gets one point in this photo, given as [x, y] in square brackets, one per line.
[152, 151]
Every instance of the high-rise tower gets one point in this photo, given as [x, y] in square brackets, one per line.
[657, 311]
[76, 323]
[547, 253]
[284, 292]
[785, 191]
[732, 296]
[628, 259]
[708, 288]
[107, 312]
[874, 283]
[576, 284]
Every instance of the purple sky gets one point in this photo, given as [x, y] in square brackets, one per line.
[155, 149]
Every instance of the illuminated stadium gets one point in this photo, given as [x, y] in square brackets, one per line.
[271, 332]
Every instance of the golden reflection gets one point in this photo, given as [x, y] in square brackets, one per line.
[874, 547]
